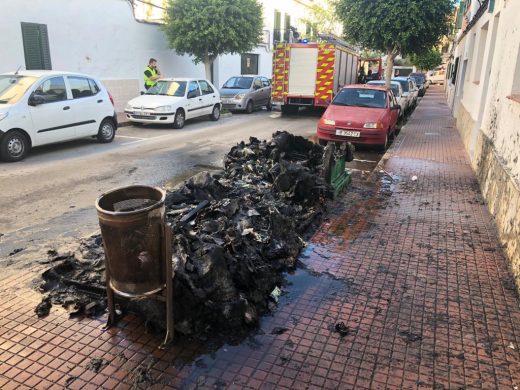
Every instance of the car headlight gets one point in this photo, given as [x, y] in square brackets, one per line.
[373, 125]
[330, 122]
[163, 109]
[3, 115]
[240, 96]
[129, 107]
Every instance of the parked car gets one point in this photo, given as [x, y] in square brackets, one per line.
[245, 93]
[43, 107]
[397, 90]
[438, 76]
[409, 90]
[360, 114]
[174, 100]
[420, 80]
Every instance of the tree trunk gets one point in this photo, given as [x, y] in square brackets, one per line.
[207, 68]
[389, 71]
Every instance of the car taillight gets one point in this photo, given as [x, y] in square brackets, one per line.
[111, 98]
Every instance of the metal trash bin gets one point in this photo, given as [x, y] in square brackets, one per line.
[132, 223]
[138, 252]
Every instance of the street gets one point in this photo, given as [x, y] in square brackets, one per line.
[48, 199]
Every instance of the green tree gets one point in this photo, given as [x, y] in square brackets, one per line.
[427, 60]
[395, 26]
[206, 29]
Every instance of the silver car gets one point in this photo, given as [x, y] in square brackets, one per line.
[398, 93]
[246, 93]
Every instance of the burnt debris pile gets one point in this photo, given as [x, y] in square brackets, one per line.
[234, 233]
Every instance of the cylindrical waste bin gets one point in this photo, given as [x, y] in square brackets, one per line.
[132, 226]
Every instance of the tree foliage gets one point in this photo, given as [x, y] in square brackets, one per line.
[395, 26]
[321, 19]
[206, 29]
[427, 60]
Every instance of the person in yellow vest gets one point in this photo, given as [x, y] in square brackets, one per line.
[151, 74]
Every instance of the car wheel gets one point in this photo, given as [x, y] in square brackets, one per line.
[180, 119]
[384, 145]
[106, 132]
[215, 114]
[14, 146]
[249, 107]
[269, 105]
[289, 110]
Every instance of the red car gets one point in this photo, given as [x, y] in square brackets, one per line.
[360, 114]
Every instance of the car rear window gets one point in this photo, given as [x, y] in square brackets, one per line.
[404, 84]
[360, 97]
[395, 88]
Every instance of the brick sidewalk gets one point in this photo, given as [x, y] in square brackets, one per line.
[412, 267]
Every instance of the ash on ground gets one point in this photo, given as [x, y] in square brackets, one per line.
[235, 232]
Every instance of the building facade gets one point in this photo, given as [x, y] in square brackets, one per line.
[483, 89]
[113, 40]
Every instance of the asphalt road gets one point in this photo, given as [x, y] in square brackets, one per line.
[47, 200]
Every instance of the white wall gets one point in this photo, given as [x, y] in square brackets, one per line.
[97, 37]
[102, 38]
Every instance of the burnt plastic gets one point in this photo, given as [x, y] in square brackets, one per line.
[132, 226]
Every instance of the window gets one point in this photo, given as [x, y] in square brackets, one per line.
[480, 53]
[36, 46]
[258, 83]
[515, 91]
[287, 28]
[265, 82]
[82, 87]
[193, 90]
[52, 90]
[205, 88]
[249, 63]
[277, 31]
[454, 71]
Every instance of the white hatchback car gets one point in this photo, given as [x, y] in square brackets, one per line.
[43, 107]
[173, 100]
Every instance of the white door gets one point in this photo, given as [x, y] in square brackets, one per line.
[53, 119]
[209, 96]
[195, 101]
[86, 105]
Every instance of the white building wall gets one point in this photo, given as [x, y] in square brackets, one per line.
[487, 108]
[97, 37]
[102, 38]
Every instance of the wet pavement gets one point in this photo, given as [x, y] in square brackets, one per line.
[404, 286]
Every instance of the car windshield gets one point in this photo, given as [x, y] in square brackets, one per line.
[13, 87]
[168, 88]
[360, 97]
[238, 83]
[404, 84]
[395, 87]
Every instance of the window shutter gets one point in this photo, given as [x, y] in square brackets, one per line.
[36, 46]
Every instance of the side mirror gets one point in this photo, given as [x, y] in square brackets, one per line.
[35, 100]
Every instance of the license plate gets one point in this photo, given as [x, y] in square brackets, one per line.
[227, 101]
[348, 133]
[142, 113]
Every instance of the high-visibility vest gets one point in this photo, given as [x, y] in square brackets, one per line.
[147, 81]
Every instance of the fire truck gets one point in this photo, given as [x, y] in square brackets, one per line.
[310, 74]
